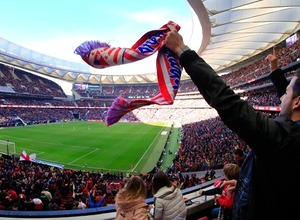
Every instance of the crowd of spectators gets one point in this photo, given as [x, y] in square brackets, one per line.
[206, 143]
[30, 186]
[22, 82]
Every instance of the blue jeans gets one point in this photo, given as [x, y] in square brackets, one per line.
[214, 212]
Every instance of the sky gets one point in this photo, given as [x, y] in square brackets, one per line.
[57, 27]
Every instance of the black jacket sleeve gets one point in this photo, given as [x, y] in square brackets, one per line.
[257, 130]
[280, 82]
[212, 191]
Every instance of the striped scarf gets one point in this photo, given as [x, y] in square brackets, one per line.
[101, 55]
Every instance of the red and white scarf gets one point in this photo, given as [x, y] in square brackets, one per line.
[101, 55]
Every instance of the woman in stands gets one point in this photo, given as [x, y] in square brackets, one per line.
[168, 200]
[130, 201]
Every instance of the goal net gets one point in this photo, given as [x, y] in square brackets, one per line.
[7, 147]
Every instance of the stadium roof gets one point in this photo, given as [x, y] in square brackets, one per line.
[233, 31]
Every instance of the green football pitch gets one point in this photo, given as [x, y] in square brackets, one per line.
[81, 145]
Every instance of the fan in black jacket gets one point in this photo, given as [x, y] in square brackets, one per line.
[266, 190]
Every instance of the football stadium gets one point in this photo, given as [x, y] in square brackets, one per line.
[61, 154]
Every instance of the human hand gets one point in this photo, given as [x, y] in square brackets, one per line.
[229, 190]
[272, 59]
[200, 192]
[232, 183]
[231, 186]
[174, 40]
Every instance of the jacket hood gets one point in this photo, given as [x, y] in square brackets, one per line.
[167, 193]
[131, 205]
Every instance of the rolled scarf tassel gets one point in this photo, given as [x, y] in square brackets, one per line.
[100, 55]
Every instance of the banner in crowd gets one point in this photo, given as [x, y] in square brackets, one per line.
[32, 158]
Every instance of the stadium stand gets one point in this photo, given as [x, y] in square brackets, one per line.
[22, 92]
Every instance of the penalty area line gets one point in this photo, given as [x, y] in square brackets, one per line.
[82, 156]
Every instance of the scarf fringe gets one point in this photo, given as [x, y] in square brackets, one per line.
[87, 46]
[121, 107]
